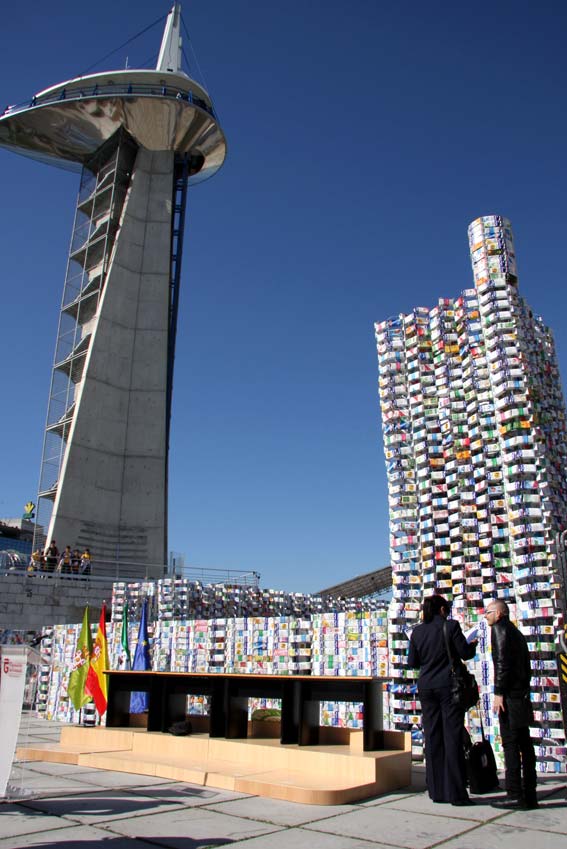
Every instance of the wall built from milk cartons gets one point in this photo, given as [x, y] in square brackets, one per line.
[476, 451]
[193, 628]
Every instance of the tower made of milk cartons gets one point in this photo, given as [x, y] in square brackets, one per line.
[475, 441]
[140, 137]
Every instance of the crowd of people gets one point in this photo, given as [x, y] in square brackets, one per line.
[67, 562]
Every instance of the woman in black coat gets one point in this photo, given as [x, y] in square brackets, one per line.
[443, 722]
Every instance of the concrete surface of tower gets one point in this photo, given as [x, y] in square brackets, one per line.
[140, 137]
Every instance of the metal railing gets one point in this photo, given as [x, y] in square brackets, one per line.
[77, 92]
[109, 571]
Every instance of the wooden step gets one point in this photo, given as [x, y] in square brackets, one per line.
[316, 775]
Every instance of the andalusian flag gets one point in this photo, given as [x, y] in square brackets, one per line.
[97, 683]
[125, 661]
[78, 676]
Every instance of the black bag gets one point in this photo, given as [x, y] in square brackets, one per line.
[482, 776]
[181, 728]
[463, 685]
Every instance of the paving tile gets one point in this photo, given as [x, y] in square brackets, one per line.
[298, 838]
[387, 798]
[16, 820]
[33, 739]
[417, 786]
[189, 794]
[98, 807]
[174, 828]
[394, 827]
[278, 812]
[47, 768]
[552, 786]
[76, 837]
[51, 784]
[481, 811]
[550, 816]
[102, 778]
[495, 835]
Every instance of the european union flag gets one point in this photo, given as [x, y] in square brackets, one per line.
[139, 701]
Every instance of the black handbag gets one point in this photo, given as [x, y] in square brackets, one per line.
[464, 688]
[482, 774]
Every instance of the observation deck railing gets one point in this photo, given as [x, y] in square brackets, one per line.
[87, 92]
[103, 571]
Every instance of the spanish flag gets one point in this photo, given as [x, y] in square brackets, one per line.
[97, 684]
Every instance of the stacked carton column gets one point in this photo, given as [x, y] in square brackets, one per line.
[532, 437]
[470, 390]
[411, 545]
[479, 495]
[446, 388]
[300, 645]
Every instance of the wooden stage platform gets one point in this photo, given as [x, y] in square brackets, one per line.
[330, 773]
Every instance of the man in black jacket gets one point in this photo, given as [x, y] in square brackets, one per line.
[512, 674]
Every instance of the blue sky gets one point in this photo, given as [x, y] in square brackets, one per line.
[363, 137]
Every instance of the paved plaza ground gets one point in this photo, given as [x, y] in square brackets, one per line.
[81, 808]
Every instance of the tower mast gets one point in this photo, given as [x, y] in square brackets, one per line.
[139, 138]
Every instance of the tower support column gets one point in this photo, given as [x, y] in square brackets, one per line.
[111, 493]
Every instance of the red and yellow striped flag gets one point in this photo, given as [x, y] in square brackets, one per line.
[97, 683]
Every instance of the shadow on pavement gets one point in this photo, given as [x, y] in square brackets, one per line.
[104, 805]
[124, 842]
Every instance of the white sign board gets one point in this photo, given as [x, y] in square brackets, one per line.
[13, 663]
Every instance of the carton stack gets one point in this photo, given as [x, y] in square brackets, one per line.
[116, 653]
[532, 435]
[44, 672]
[162, 645]
[259, 644]
[190, 648]
[379, 643]
[403, 707]
[342, 644]
[471, 483]
[300, 646]
[134, 594]
[182, 645]
[404, 354]
[476, 456]
[201, 642]
[59, 650]
[178, 598]
[217, 645]
[342, 714]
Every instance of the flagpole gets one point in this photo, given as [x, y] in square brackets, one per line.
[77, 679]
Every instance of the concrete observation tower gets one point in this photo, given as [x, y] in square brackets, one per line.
[139, 138]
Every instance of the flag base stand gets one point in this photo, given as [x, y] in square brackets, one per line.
[15, 792]
[88, 716]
